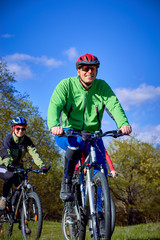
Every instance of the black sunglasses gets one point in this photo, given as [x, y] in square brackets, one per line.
[18, 129]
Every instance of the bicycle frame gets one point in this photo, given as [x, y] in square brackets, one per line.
[17, 208]
[22, 188]
[87, 191]
[94, 189]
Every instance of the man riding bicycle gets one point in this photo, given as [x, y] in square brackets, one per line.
[78, 103]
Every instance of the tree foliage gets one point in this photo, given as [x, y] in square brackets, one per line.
[136, 190]
[12, 104]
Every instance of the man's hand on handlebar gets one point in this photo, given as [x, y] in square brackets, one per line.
[126, 130]
[57, 130]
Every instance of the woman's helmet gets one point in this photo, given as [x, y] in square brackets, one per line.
[19, 121]
[87, 59]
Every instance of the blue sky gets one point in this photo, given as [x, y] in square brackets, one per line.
[41, 41]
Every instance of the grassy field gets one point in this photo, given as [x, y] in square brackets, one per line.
[52, 230]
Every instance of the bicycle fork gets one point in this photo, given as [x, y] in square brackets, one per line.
[24, 204]
[90, 183]
[90, 193]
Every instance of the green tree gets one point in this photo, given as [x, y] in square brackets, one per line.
[48, 186]
[136, 190]
[12, 104]
[7, 99]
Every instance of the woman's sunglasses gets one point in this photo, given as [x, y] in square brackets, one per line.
[22, 129]
[87, 68]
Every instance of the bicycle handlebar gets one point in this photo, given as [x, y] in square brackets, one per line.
[27, 170]
[91, 136]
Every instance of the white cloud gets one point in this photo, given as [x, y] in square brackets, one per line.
[20, 71]
[71, 53]
[138, 96]
[18, 57]
[149, 133]
[50, 62]
[7, 35]
[19, 63]
[37, 60]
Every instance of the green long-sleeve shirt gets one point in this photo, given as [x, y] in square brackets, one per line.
[72, 106]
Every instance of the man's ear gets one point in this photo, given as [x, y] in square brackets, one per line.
[78, 71]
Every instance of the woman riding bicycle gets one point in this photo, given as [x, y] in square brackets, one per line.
[78, 103]
[13, 149]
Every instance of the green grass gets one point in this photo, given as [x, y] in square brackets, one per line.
[138, 232]
[53, 230]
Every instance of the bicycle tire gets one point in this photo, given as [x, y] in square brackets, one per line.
[113, 216]
[34, 217]
[67, 223]
[83, 224]
[74, 222]
[83, 217]
[101, 188]
[6, 225]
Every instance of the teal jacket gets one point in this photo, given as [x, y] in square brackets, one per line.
[72, 106]
[13, 150]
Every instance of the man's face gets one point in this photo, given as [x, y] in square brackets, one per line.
[87, 74]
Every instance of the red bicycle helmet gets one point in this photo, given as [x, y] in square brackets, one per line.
[87, 59]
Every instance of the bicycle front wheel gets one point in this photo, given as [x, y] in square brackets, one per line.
[31, 217]
[113, 216]
[102, 205]
[70, 221]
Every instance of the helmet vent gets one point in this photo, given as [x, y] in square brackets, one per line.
[87, 59]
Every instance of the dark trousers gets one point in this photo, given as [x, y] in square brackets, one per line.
[9, 179]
